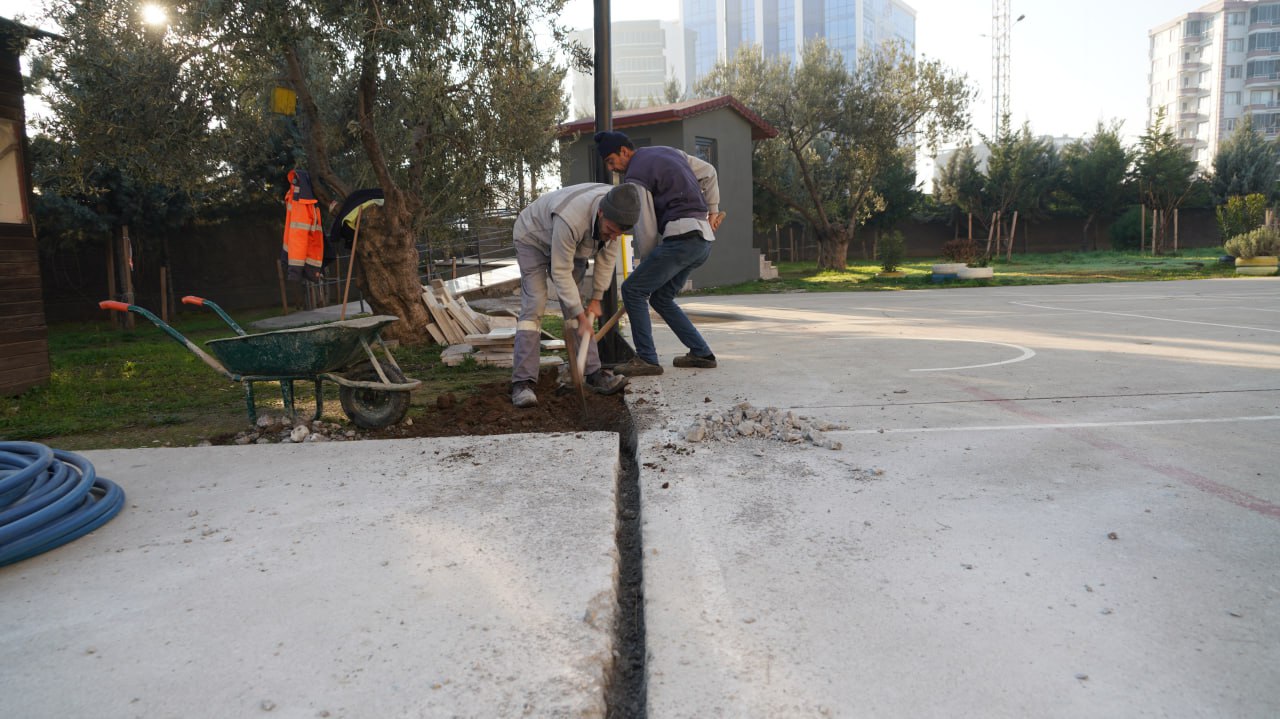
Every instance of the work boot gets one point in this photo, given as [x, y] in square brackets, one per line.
[522, 395]
[636, 367]
[605, 382]
[693, 360]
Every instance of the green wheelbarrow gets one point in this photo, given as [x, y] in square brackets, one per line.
[374, 393]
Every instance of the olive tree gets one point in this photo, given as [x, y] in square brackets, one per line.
[444, 106]
[839, 130]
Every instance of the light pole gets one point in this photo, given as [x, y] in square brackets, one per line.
[1000, 27]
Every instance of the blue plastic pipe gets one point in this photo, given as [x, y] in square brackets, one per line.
[49, 497]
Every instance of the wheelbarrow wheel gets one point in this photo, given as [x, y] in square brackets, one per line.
[374, 408]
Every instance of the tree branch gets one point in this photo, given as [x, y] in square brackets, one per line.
[317, 148]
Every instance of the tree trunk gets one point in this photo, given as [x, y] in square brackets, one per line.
[833, 250]
[387, 269]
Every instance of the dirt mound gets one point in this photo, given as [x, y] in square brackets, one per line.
[489, 411]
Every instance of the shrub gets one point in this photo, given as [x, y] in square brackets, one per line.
[891, 248]
[965, 251]
[1239, 214]
[1126, 231]
[1263, 241]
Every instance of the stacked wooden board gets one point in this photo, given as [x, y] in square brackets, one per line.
[489, 340]
[495, 348]
[452, 319]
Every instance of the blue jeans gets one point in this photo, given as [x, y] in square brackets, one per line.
[655, 282]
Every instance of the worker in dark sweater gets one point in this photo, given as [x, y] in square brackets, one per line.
[678, 218]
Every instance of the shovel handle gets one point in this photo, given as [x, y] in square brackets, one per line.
[584, 345]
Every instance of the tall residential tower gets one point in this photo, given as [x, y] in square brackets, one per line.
[1212, 67]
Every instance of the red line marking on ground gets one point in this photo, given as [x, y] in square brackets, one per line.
[1199, 481]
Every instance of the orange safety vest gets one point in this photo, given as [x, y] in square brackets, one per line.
[303, 236]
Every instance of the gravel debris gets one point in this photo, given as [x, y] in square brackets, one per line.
[271, 429]
[744, 420]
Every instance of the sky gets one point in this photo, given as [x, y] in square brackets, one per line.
[1072, 64]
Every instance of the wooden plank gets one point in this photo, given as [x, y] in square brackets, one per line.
[455, 355]
[33, 320]
[501, 335]
[17, 381]
[434, 330]
[19, 309]
[19, 361]
[451, 332]
[19, 269]
[454, 331]
[22, 348]
[12, 336]
[460, 316]
[497, 322]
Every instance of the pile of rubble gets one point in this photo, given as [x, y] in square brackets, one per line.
[279, 430]
[744, 420]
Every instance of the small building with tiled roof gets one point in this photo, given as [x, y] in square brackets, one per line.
[721, 131]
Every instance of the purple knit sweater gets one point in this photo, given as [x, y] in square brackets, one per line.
[665, 172]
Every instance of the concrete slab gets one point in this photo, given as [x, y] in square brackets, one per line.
[443, 577]
[1051, 501]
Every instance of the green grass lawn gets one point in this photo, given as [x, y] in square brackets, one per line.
[132, 388]
[1035, 269]
[115, 388]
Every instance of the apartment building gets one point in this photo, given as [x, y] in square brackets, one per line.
[1212, 67]
[781, 27]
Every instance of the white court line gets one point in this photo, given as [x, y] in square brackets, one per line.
[1144, 317]
[1027, 352]
[1069, 425]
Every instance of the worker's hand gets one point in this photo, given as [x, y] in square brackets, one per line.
[593, 309]
[715, 220]
[584, 325]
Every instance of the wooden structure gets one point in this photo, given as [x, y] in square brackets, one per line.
[24, 338]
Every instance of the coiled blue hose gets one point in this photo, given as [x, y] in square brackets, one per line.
[49, 497]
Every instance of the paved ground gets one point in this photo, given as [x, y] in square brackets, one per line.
[1051, 501]
[414, 578]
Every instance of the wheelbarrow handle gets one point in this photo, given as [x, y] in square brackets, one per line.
[202, 302]
[176, 335]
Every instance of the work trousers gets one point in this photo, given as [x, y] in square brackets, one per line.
[535, 268]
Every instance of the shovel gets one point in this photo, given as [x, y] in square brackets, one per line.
[577, 349]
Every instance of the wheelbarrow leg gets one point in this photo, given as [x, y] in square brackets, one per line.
[319, 401]
[286, 392]
[248, 402]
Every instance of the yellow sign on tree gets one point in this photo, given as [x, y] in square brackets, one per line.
[284, 101]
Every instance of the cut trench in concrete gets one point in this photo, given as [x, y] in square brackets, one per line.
[626, 681]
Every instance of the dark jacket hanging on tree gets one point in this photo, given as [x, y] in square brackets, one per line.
[303, 249]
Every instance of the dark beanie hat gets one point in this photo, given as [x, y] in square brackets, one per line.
[622, 205]
[608, 143]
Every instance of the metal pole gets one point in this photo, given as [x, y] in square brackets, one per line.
[613, 348]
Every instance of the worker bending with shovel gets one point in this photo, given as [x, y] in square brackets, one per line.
[554, 237]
